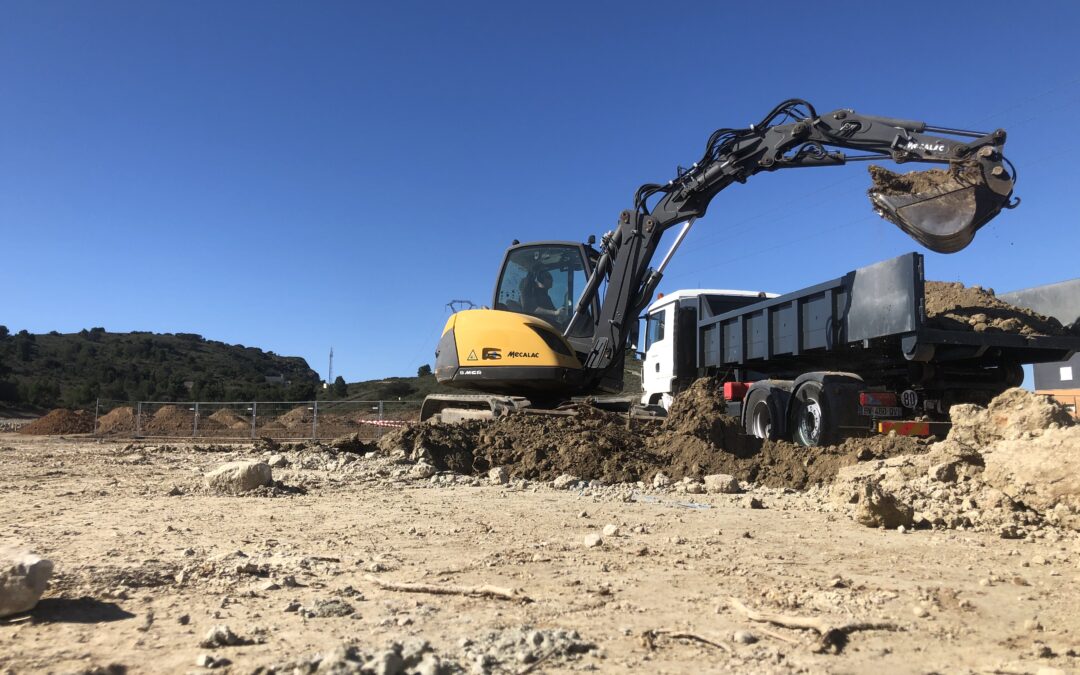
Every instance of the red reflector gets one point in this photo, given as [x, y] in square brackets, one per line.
[735, 391]
[879, 398]
[905, 428]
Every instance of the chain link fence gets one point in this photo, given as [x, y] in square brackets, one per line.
[292, 420]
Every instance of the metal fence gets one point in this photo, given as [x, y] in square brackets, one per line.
[292, 420]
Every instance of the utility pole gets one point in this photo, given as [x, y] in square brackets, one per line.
[330, 370]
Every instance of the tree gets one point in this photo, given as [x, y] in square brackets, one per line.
[423, 371]
[4, 332]
[339, 387]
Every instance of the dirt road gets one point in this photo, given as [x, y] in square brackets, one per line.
[148, 562]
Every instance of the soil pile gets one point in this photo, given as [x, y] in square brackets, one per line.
[60, 421]
[1008, 467]
[953, 306]
[934, 181]
[697, 439]
[117, 421]
[298, 416]
[170, 420]
[228, 420]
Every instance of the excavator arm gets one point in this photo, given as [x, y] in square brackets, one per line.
[942, 209]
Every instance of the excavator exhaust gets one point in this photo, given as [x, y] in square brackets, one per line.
[941, 208]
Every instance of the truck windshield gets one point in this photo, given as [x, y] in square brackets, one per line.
[544, 281]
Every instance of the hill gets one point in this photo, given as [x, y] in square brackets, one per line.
[74, 369]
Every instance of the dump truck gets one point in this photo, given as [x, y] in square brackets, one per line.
[850, 356]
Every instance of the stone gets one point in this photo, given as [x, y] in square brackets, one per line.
[332, 608]
[23, 578]
[920, 611]
[422, 470]
[222, 636]
[722, 483]
[593, 540]
[661, 480]
[744, 637]
[565, 482]
[277, 461]
[499, 475]
[611, 530]
[238, 477]
[878, 508]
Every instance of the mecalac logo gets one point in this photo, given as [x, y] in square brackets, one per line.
[928, 147]
[524, 355]
[491, 354]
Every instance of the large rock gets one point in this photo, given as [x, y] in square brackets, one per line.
[237, 477]
[722, 483]
[1043, 473]
[23, 577]
[1015, 414]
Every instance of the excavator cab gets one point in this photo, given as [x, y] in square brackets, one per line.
[544, 280]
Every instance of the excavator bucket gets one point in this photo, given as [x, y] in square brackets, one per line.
[941, 209]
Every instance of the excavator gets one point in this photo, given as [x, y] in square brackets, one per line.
[564, 313]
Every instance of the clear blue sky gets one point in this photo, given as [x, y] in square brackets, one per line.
[296, 176]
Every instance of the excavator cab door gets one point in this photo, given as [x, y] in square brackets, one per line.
[545, 280]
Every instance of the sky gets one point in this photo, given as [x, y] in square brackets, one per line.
[300, 176]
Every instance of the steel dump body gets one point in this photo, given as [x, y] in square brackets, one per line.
[871, 321]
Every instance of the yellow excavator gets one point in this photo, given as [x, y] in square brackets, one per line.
[564, 313]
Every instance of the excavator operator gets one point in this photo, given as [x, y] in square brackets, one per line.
[536, 301]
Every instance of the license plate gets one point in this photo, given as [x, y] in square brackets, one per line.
[881, 411]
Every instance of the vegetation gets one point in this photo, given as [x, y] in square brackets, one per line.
[72, 370]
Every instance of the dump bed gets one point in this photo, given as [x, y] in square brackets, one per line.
[872, 317]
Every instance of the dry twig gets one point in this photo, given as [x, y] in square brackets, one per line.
[484, 591]
[833, 637]
[649, 637]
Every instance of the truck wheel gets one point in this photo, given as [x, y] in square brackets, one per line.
[759, 418]
[810, 420]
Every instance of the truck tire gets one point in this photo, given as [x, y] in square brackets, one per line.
[759, 417]
[811, 419]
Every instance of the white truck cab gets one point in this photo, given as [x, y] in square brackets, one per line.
[670, 362]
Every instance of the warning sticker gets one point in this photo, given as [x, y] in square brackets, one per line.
[472, 356]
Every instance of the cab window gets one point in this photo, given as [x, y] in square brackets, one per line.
[654, 328]
[545, 281]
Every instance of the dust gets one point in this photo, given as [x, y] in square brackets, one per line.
[60, 421]
[953, 306]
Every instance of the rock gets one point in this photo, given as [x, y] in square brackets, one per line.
[565, 482]
[222, 636]
[695, 489]
[661, 480]
[499, 475]
[236, 478]
[920, 611]
[722, 483]
[208, 661]
[752, 503]
[611, 530]
[593, 540]
[332, 608]
[277, 461]
[23, 578]
[744, 637]
[877, 508]
[422, 470]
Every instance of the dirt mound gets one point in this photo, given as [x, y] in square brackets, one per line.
[298, 416]
[1009, 468]
[117, 421]
[60, 421]
[697, 439]
[922, 181]
[228, 419]
[953, 306]
[170, 420]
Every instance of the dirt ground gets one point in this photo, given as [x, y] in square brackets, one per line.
[148, 562]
